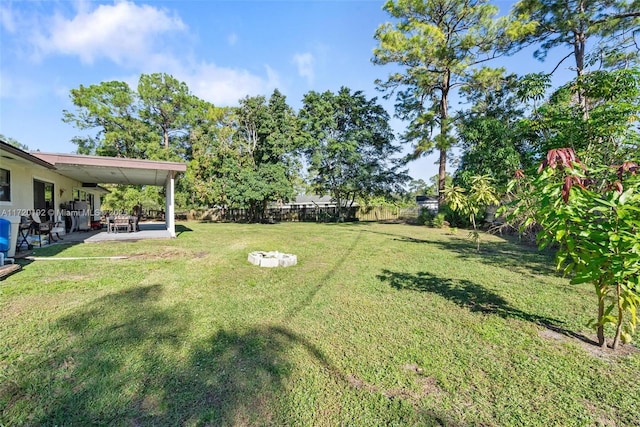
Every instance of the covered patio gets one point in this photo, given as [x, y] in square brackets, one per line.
[148, 230]
[94, 170]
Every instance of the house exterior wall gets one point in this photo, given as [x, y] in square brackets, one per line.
[22, 175]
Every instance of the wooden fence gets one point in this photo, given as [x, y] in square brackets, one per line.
[386, 213]
[315, 214]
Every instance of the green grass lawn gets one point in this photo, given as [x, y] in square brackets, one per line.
[376, 325]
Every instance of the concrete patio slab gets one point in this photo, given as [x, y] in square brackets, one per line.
[148, 230]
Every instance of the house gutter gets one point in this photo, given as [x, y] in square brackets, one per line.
[24, 155]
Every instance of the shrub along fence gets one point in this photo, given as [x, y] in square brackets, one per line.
[303, 214]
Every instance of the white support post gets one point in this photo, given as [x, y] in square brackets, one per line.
[169, 212]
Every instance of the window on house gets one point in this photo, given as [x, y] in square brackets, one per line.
[5, 185]
[80, 195]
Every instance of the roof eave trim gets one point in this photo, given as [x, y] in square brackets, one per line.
[24, 155]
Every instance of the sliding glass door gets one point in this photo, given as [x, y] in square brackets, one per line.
[43, 202]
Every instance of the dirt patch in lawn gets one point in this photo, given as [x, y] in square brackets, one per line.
[589, 344]
[603, 419]
[427, 386]
[168, 252]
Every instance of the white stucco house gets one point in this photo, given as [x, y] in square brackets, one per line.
[43, 182]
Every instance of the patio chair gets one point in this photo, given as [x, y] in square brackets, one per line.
[45, 228]
[59, 227]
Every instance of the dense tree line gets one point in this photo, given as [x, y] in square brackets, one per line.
[242, 157]
[445, 48]
[340, 144]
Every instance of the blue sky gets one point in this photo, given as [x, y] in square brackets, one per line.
[223, 50]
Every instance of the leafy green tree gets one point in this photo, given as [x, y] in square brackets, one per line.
[214, 158]
[150, 123]
[349, 147]
[439, 44]
[110, 109]
[123, 198]
[489, 148]
[489, 136]
[156, 122]
[165, 105]
[418, 187]
[593, 215]
[601, 32]
[608, 26]
[432, 190]
[533, 87]
[266, 137]
[608, 134]
[589, 207]
[480, 195]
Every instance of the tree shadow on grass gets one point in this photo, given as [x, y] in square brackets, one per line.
[472, 296]
[129, 359]
[50, 250]
[506, 253]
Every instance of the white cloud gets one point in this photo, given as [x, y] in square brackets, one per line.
[232, 39]
[123, 32]
[8, 19]
[138, 39]
[305, 62]
[222, 86]
[225, 86]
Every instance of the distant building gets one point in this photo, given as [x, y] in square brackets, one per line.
[428, 202]
[310, 201]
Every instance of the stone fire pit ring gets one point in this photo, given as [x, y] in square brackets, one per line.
[272, 259]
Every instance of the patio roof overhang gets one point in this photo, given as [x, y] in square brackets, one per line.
[111, 170]
[117, 170]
